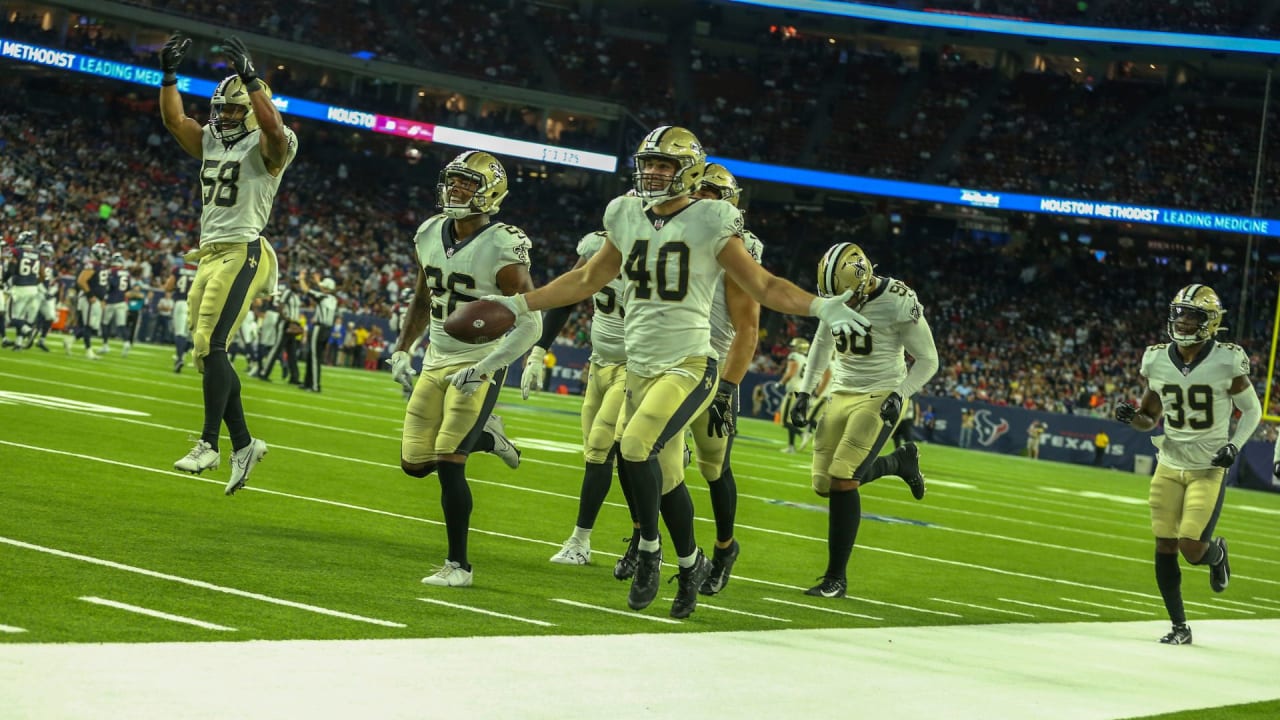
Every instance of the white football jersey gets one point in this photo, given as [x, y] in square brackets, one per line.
[1197, 400]
[669, 273]
[461, 272]
[238, 191]
[877, 361]
[722, 332]
[800, 359]
[608, 344]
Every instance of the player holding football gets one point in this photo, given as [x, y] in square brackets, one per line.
[1194, 383]
[671, 250]
[245, 149]
[463, 254]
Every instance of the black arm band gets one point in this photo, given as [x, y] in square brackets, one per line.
[169, 79]
[553, 321]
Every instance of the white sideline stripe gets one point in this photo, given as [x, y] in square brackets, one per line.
[718, 608]
[11, 629]
[156, 613]
[833, 611]
[197, 583]
[1104, 606]
[982, 607]
[1048, 607]
[482, 611]
[1265, 601]
[630, 614]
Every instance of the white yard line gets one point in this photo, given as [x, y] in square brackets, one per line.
[197, 583]
[833, 611]
[11, 629]
[1048, 607]
[612, 611]
[490, 613]
[983, 607]
[156, 614]
[702, 605]
[1115, 608]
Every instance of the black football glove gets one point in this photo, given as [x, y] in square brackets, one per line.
[173, 51]
[1276, 471]
[722, 412]
[1125, 412]
[800, 410]
[891, 409]
[238, 57]
[1225, 457]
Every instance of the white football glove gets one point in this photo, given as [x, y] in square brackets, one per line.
[471, 379]
[515, 303]
[402, 370]
[534, 372]
[842, 319]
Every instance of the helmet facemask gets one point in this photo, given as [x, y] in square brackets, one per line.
[231, 92]
[677, 146]
[483, 172]
[1198, 305]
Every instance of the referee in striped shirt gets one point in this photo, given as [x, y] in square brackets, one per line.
[326, 307]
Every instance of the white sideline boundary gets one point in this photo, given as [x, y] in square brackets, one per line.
[1072, 671]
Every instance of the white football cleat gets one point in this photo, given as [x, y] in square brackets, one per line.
[202, 457]
[502, 447]
[573, 552]
[242, 461]
[451, 575]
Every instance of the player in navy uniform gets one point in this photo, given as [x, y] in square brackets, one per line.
[92, 284]
[115, 312]
[178, 285]
[23, 279]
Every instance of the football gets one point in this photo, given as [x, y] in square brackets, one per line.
[479, 321]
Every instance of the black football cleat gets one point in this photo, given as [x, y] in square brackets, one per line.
[1179, 635]
[644, 586]
[722, 560]
[909, 468]
[691, 579]
[829, 588]
[1220, 574]
[625, 568]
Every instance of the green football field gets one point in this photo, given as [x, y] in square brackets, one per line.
[101, 541]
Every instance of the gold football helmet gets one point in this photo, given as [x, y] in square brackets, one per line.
[845, 267]
[231, 91]
[718, 179]
[1201, 305]
[679, 146]
[800, 345]
[486, 172]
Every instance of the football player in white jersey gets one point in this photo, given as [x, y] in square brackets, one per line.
[1194, 383]
[245, 149]
[462, 254]
[790, 383]
[869, 383]
[735, 328]
[671, 250]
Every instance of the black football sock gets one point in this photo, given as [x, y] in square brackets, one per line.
[624, 482]
[677, 513]
[455, 500]
[646, 488]
[217, 379]
[233, 416]
[596, 480]
[1212, 555]
[842, 530]
[883, 465]
[484, 443]
[1169, 580]
[791, 436]
[724, 504]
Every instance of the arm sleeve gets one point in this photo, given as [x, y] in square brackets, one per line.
[1250, 416]
[514, 344]
[819, 358]
[553, 321]
[918, 340]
